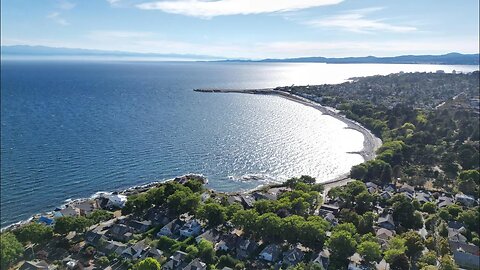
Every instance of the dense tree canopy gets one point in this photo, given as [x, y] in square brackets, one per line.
[11, 250]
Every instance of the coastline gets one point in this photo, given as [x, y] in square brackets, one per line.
[370, 143]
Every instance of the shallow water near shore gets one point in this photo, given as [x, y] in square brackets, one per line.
[70, 129]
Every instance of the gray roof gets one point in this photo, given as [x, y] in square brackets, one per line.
[388, 219]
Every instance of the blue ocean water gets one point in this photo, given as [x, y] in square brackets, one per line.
[69, 129]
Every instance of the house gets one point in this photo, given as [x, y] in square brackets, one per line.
[211, 235]
[330, 207]
[386, 195]
[120, 232]
[227, 242]
[86, 207]
[136, 251]
[116, 200]
[94, 237]
[36, 265]
[465, 255]
[234, 199]
[247, 200]
[157, 216]
[465, 199]
[153, 253]
[293, 256]
[46, 220]
[196, 264]
[176, 261]
[322, 259]
[390, 188]
[444, 201]
[386, 221]
[328, 216]
[456, 235]
[171, 228]
[371, 185]
[109, 247]
[191, 228]
[455, 225]
[423, 197]
[406, 188]
[384, 235]
[70, 211]
[263, 196]
[270, 253]
[245, 248]
[140, 226]
[382, 265]
[355, 262]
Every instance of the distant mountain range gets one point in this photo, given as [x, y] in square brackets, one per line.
[445, 59]
[25, 51]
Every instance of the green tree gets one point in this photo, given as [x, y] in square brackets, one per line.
[246, 219]
[64, 225]
[312, 232]
[429, 207]
[364, 202]
[166, 243]
[192, 251]
[98, 216]
[468, 182]
[414, 244]
[370, 251]
[213, 213]
[232, 209]
[206, 251]
[471, 218]
[136, 204]
[103, 261]
[270, 226]
[194, 185]
[183, 201]
[429, 258]
[147, 264]
[10, 249]
[447, 263]
[342, 245]
[34, 233]
[399, 262]
[403, 211]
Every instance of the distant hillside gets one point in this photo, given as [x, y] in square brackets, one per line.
[446, 59]
[26, 51]
[44, 51]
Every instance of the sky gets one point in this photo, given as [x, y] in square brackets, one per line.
[250, 29]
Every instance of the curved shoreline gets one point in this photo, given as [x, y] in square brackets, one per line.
[370, 143]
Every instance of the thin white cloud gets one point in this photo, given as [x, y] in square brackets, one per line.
[113, 2]
[118, 34]
[56, 17]
[66, 5]
[357, 21]
[209, 9]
